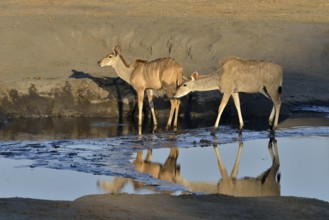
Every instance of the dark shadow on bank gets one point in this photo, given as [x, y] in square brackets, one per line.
[107, 83]
[118, 88]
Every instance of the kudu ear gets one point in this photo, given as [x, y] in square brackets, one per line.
[194, 76]
[116, 50]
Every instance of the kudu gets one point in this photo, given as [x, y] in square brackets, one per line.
[238, 75]
[266, 184]
[162, 73]
[168, 171]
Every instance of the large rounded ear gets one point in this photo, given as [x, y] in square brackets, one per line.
[116, 50]
[194, 76]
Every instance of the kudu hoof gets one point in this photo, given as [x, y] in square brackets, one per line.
[154, 129]
[272, 134]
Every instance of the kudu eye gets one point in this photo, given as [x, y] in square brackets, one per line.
[184, 85]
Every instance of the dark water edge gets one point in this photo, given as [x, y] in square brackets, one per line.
[94, 146]
[84, 128]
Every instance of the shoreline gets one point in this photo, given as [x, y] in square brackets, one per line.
[124, 206]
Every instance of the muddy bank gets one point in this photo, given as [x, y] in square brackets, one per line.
[124, 206]
[49, 57]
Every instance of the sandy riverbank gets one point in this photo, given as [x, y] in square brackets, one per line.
[124, 206]
[50, 50]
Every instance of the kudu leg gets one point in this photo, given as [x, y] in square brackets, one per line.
[174, 152]
[176, 113]
[139, 156]
[274, 116]
[270, 149]
[277, 113]
[275, 143]
[140, 95]
[148, 156]
[221, 166]
[236, 100]
[270, 120]
[273, 171]
[276, 99]
[222, 105]
[171, 114]
[150, 99]
[235, 169]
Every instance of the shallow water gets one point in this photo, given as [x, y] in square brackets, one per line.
[302, 172]
[48, 162]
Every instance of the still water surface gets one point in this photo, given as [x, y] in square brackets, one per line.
[303, 171]
[38, 165]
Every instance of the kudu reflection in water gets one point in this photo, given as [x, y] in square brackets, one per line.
[168, 171]
[266, 184]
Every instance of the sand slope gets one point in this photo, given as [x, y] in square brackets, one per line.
[46, 42]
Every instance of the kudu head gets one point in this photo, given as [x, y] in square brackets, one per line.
[112, 58]
[187, 86]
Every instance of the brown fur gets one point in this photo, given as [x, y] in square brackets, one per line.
[238, 75]
[162, 73]
[157, 74]
[250, 76]
[226, 59]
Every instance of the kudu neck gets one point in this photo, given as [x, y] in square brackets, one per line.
[123, 71]
[207, 83]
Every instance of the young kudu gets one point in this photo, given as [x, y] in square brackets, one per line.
[238, 75]
[163, 73]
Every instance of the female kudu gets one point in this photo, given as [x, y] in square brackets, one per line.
[238, 75]
[162, 73]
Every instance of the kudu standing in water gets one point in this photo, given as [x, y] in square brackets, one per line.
[238, 75]
[162, 73]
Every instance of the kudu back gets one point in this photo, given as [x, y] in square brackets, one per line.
[238, 75]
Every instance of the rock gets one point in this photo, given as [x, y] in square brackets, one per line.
[73, 97]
